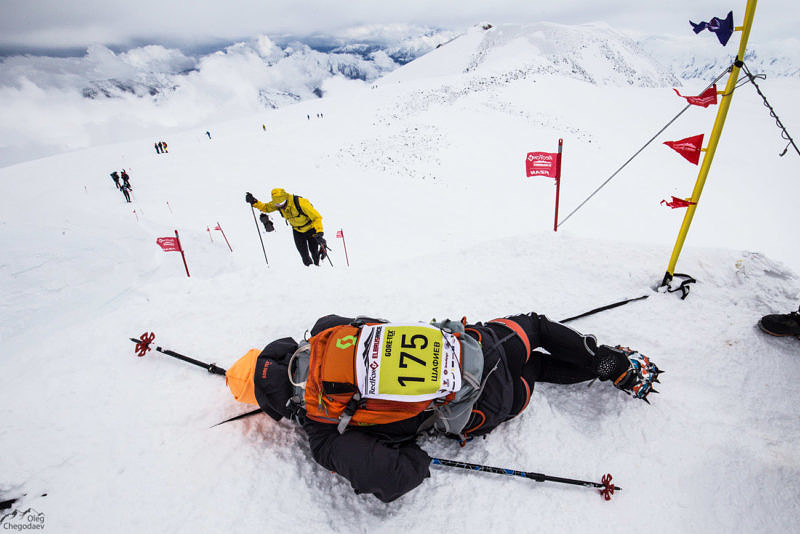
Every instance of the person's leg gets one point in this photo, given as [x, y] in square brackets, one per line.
[301, 243]
[313, 247]
[562, 342]
[571, 356]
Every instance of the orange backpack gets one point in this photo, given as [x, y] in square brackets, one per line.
[331, 392]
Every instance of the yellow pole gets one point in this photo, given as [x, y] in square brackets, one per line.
[725, 103]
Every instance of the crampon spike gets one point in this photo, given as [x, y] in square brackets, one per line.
[652, 391]
[645, 399]
[608, 487]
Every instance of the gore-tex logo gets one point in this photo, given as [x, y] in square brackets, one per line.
[264, 371]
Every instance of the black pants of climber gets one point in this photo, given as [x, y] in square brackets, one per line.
[305, 243]
[570, 356]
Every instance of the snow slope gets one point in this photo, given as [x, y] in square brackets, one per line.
[424, 175]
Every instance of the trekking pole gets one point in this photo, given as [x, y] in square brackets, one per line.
[603, 308]
[240, 416]
[143, 345]
[328, 256]
[259, 234]
[606, 488]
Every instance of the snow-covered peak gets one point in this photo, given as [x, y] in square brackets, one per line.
[593, 53]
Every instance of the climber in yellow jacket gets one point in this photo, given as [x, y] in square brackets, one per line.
[306, 222]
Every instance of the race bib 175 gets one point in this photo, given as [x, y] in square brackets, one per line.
[407, 362]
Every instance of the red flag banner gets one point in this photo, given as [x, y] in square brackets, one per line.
[542, 164]
[169, 244]
[705, 99]
[217, 227]
[689, 148]
[340, 234]
[679, 203]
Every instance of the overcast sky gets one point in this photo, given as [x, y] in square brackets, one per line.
[51, 24]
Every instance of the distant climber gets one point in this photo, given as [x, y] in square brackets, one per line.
[306, 222]
[160, 147]
[125, 188]
[115, 177]
[126, 179]
[208, 134]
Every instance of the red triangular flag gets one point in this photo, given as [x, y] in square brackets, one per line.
[169, 244]
[705, 99]
[678, 203]
[689, 148]
[217, 227]
[340, 234]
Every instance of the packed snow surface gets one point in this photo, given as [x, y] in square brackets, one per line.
[424, 176]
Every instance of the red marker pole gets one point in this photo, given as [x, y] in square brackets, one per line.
[180, 248]
[219, 227]
[209, 234]
[340, 233]
[558, 182]
[170, 207]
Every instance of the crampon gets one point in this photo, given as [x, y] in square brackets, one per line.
[638, 379]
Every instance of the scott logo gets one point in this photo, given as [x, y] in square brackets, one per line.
[345, 342]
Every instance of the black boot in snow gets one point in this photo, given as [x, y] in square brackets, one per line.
[631, 372]
[787, 324]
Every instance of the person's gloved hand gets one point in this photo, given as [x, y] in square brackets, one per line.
[249, 198]
[268, 226]
[321, 240]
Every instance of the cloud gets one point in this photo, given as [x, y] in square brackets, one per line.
[72, 23]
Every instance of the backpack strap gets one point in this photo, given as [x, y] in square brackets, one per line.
[297, 206]
[349, 410]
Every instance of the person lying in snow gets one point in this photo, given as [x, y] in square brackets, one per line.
[364, 389]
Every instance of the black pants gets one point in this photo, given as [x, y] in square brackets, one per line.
[127, 196]
[305, 243]
[569, 358]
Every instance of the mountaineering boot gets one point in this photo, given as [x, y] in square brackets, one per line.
[631, 372]
[787, 324]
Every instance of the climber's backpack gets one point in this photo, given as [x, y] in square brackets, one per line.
[377, 373]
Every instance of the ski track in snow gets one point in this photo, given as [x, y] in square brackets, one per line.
[426, 182]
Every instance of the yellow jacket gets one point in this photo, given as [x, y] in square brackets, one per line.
[303, 220]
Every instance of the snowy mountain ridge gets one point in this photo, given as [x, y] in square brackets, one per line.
[121, 90]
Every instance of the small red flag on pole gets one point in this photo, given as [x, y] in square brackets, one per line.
[209, 234]
[170, 207]
[704, 99]
[340, 234]
[547, 164]
[173, 244]
[689, 148]
[218, 227]
[137, 217]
